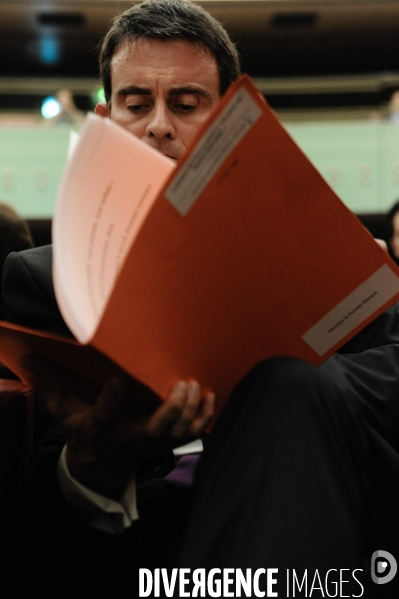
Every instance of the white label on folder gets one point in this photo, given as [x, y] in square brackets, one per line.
[353, 310]
[229, 128]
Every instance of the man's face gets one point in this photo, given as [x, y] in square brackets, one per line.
[162, 91]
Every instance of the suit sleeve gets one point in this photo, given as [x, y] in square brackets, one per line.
[28, 294]
[382, 331]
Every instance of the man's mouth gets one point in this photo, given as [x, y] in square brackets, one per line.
[171, 156]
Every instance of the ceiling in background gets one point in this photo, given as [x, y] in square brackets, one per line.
[278, 39]
[275, 37]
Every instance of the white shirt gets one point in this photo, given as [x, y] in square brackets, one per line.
[103, 513]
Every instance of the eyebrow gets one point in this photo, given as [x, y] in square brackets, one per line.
[175, 91]
[134, 89]
[189, 89]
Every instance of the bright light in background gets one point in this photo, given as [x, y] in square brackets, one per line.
[50, 107]
[49, 50]
[98, 96]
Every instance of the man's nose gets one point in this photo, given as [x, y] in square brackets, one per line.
[160, 124]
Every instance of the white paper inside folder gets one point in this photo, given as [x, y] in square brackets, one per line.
[109, 184]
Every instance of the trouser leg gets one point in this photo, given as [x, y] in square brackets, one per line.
[295, 477]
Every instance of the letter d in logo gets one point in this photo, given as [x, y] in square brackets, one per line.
[383, 567]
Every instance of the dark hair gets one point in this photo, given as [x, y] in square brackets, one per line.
[15, 236]
[168, 20]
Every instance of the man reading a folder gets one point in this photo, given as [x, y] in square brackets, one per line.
[300, 473]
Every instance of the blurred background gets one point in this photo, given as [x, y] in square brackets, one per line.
[329, 68]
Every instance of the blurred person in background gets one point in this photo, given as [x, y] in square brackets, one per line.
[393, 231]
[393, 107]
[15, 236]
[69, 113]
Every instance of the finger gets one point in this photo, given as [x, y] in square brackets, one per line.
[382, 244]
[204, 416]
[189, 411]
[165, 416]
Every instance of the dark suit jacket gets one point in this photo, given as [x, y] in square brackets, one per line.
[28, 293]
[93, 564]
[56, 550]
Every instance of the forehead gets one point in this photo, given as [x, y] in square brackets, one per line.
[172, 63]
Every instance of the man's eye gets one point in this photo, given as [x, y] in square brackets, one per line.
[136, 107]
[184, 107]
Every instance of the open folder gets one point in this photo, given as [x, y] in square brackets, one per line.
[239, 253]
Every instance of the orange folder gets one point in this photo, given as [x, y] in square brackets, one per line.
[241, 253]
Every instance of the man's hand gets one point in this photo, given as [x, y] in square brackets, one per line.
[382, 244]
[108, 439]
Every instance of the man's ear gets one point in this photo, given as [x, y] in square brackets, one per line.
[103, 109]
